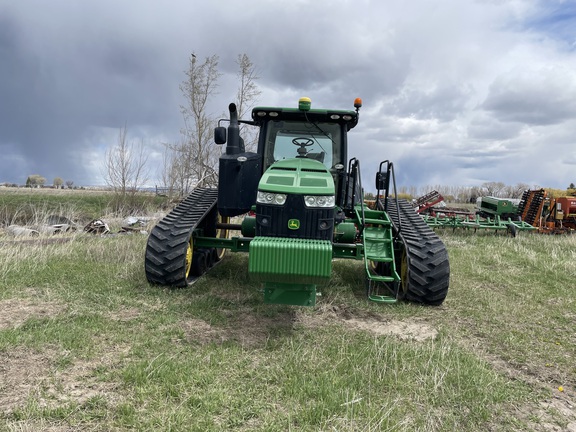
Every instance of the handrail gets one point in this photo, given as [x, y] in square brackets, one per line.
[356, 178]
[389, 173]
[357, 166]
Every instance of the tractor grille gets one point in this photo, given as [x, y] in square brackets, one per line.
[273, 221]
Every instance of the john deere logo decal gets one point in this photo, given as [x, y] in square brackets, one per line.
[293, 224]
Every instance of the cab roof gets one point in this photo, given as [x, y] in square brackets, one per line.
[261, 115]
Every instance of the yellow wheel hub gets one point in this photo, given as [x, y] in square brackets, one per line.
[189, 256]
[403, 275]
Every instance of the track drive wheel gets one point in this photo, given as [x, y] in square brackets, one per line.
[197, 262]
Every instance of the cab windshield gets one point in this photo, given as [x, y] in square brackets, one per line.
[289, 139]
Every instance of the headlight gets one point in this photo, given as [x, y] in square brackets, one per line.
[319, 201]
[270, 198]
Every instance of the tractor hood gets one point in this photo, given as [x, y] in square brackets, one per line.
[297, 176]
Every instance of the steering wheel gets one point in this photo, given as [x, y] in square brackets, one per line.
[302, 143]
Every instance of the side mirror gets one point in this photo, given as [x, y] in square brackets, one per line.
[381, 181]
[220, 135]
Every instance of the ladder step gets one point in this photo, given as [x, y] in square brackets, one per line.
[376, 221]
[379, 278]
[376, 251]
[377, 239]
[382, 299]
[378, 258]
[377, 233]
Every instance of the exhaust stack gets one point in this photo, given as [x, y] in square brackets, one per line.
[235, 144]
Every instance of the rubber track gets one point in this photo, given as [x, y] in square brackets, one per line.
[428, 264]
[165, 260]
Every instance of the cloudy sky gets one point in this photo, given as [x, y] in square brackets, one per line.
[456, 92]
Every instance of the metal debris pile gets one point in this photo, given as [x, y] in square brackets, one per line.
[59, 225]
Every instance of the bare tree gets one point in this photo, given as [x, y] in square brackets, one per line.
[246, 96]
[126, 165]
[462, 194]
[493, 188]
[69, 184]
[175, 172]
[193, 161]
[516, 191]
[248, 91]
[200, 155]
[167, 174]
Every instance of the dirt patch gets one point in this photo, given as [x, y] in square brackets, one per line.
[417, 330]
[556, 414]
[552, 410]
[77, 384]
[199, 331]
[21, 372]
[16, 311]
[247, 329]
[124, 314]
[30, 376]
[35, 426]
[251, 330]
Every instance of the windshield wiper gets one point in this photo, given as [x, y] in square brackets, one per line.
[322, 131]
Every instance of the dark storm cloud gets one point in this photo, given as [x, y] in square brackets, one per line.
[331, 53]
[59, 83]
[21, 89]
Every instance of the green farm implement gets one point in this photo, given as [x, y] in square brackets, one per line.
[298, 204]
[492, 207]
[498, 214]
[477, 222]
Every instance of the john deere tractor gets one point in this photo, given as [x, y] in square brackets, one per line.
[298, 205]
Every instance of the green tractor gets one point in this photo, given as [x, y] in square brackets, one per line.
[298, 204]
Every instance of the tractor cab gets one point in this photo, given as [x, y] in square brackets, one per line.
[315, 134]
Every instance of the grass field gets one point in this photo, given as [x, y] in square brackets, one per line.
[87, 344]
